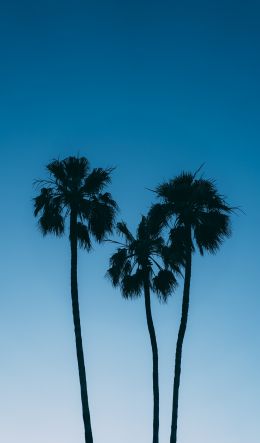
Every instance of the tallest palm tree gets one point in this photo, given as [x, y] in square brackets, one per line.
[200, 218]
[73, 192]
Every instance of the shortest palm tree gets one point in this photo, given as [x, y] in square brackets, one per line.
[142, 264]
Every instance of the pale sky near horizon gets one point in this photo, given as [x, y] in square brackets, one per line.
[152, 88]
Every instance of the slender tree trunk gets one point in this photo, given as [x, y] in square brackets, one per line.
[77, 329]
[155, 362]
[181, 334]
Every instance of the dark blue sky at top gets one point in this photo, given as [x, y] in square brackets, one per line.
[151, 88]
[131, 66]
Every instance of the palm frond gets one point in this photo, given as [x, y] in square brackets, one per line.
[173, 257]
[51, 222]
[158, 217]
[119, 258]
[101, 219]
[176, 189]
[157, 244]
[164, 191]
[114, 276]
[83, 236]
[198, 170]
[205, 194]
[85, 208]
[177, 194]
[119, 266]
[97, 180]
[164, 283]
[132, 285]
[211, 230]
[76, 168]
[42, 200]
[56, 169]
[142, 232]
[49, 206]
[107, 199]
[123, 230]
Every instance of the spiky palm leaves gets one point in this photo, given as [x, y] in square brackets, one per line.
[145, 257]
[73, 189]
[195, 203]
[74, 192]
[199, 216]
[142, 263]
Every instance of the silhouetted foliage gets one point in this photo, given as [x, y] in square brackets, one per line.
[196, 215]
[73, 187]
[142, 256]
[72, 191]
[139, 265]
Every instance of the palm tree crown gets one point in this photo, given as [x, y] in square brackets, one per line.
[73, 188]
[195, 204]
[143, 257]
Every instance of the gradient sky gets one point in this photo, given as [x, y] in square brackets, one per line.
[151, 88]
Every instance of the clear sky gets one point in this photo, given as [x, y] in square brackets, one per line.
[151, 88]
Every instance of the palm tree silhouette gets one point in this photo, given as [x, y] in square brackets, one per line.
[142, 264]
[200, 217]
[74, 192]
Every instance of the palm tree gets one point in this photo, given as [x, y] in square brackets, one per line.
[200, 217]
[142, 264]
[74, 192]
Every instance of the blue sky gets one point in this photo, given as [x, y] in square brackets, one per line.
[151, 88]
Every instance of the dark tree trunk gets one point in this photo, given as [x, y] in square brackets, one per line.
[77, 328]
[155, 362]
[181, 334]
